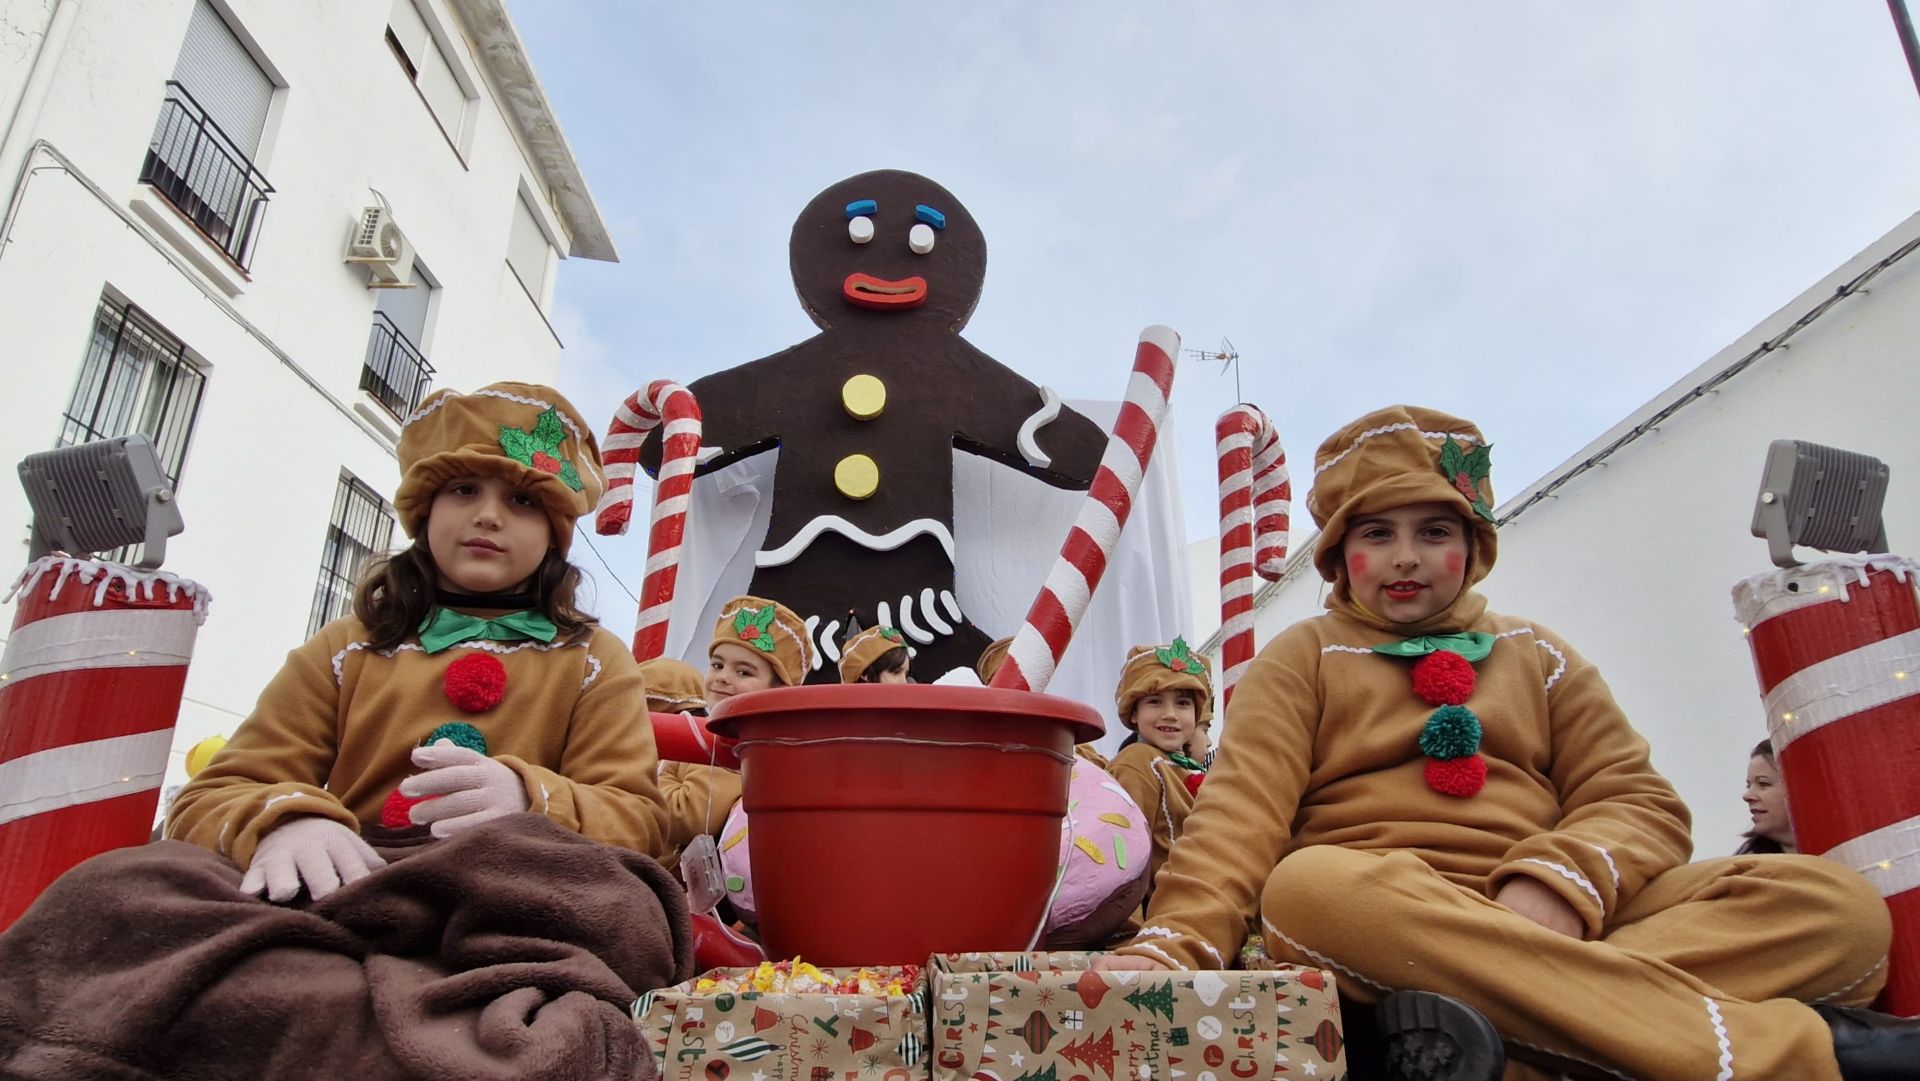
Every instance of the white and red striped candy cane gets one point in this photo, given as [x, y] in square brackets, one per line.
[1056, 612]
[1255, 495]
[89, 692]
[1836, 647]
[642, 412]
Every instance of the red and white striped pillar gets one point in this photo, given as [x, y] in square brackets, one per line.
[1836, 646]
[90, 689]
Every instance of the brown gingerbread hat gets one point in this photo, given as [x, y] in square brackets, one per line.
[1395, 456]
[991, 658]
[770, 629]
[523, 432]
[865, 648]
[673, 685]
[1159, 669]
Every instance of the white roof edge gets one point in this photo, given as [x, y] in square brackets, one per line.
[500, 49]
[1894, 239]
[1790, 312]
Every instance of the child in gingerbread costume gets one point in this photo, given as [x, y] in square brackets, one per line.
[1165, 694]
[1434, 800]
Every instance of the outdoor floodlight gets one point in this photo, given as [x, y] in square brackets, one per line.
[1819, 497]
[95, 496]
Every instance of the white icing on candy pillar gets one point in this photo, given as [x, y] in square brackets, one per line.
[1104, 852]
[89, 692]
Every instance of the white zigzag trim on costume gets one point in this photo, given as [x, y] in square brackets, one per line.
[1164, 954]
[1720, 1034]
[1164, 812]
[546, 801]
[806, 647]
[1511, 633]
[339, 659]
[1551, 1053]
[1388, 430]
[1154, 930]
[222, 842]
[594, 663]
[1611, 867]
[284, 796]
[1869, 974]
[1215, 954]
[1559, 671]
[1572, 876]
[1321, 958]
[1362, 650]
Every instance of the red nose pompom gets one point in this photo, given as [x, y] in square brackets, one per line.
[1192, 781]
[1443, 678]
[1457, 777]
[476, 682]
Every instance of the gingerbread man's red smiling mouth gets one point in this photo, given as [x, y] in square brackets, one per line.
[882, 294]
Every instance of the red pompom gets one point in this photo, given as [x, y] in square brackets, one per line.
[1457, 777]
[1192, 781]
[1443, 678]
[393, 813]
[476, 682]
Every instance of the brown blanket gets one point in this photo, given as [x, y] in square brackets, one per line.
[511, 951]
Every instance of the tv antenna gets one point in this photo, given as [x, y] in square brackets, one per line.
[1227, 357]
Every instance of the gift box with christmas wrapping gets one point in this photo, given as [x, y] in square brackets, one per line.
[786, 1021]
[1039, 1016]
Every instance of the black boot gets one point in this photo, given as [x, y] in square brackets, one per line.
[1872, 1046]
[1431, 1037]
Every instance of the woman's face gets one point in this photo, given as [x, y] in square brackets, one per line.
[1767, 801]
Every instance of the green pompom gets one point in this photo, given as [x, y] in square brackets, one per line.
[1452, 732]
[460, 733]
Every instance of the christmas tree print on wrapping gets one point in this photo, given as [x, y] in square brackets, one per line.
[755, 627]
[1465, 470]
[1090, 1054]
[1151, 1000]
[537, 449]
[1177, 657]
[1051, 1073]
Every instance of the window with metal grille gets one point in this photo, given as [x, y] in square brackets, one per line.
[136, 378]
[361, 528]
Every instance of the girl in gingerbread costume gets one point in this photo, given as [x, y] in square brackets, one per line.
[1446, 807]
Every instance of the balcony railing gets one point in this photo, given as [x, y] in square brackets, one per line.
[205, 176]
[396, 374]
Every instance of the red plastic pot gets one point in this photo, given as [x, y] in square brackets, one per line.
[894, 822]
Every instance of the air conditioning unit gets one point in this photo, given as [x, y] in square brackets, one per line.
[378, 244]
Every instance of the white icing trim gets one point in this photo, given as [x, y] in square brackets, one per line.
[1720, 1034]
[1361, 650]
[1386, 430]
[931, 614]
[1164, 955]
[1611, 867]
[1864, 977]
[1215, 954]
[1572, 876]
[1320, 959]
[808, 658]
[137, 583]
[884, 542]
[421, 413]
[952, 605]
[1764, 596]
[1511, 633]
[339, 659]
[594, 663]
[1559, 671]
[1048, 412]
[1154, 930]
[913, 630]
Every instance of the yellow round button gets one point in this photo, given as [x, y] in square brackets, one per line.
[857, 476]
[202, 752]
[864, 396]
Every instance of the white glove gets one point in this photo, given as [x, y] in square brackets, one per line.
[469, 788]
[316, 852]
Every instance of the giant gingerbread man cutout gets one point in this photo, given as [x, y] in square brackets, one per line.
[867, 414]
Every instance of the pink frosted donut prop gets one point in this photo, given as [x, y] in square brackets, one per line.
[1103, 845]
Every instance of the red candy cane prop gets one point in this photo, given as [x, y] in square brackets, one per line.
[680, 738]
[1836, 646]
[640, 414]
[1056, 612]
[1254, 503]
[89, 692]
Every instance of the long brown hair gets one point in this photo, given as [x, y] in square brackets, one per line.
[398, 590]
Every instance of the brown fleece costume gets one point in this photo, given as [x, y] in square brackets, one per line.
[674, 686]
[1317, 816]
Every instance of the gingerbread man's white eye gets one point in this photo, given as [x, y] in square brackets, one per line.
[860, 229]
[920, 238]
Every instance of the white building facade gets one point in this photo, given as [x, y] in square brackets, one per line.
[1630, 548]
[181, 179]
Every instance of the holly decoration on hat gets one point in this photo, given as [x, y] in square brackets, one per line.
[755, 627]
[538, 449]
[889, 634]
[1177, 657]
[1466, 470]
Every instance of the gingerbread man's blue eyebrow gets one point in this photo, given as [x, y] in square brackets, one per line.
[925, 213]
[861, 208]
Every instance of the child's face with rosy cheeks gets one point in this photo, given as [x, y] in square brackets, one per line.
[1406, 563]
[735, 669]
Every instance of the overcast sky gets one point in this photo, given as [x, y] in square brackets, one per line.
[1537, 215]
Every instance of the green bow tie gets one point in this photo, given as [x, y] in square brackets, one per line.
[1473, 645]
[445, 627]
[1185, 762]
